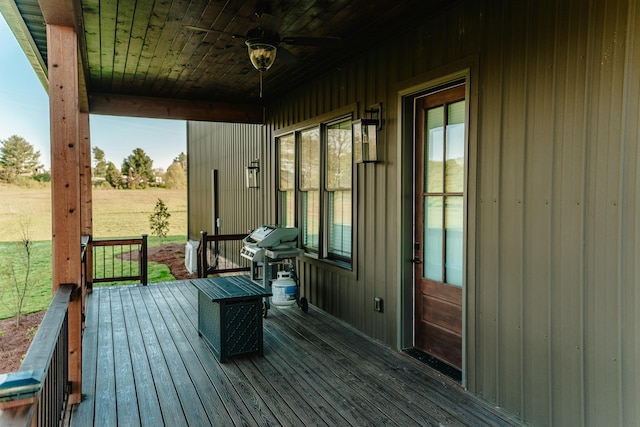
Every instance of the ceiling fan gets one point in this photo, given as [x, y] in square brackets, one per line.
[264, 44]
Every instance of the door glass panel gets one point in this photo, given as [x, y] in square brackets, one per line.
[434, 152]
[455, 147]
[454, 240]
[433, 238]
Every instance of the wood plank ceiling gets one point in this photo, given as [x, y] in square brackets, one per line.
[148, 48]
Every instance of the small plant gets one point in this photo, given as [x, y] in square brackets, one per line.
[159, 220]
[1, 334]
[15, 287]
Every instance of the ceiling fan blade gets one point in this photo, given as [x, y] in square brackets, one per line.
[286, 56]
[312, 41]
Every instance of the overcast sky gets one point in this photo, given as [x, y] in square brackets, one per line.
[24, 111]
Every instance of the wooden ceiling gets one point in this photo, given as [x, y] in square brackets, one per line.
[148, 51]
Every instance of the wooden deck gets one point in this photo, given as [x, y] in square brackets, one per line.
[144, 364]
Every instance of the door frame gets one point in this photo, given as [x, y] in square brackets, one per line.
[407, 93]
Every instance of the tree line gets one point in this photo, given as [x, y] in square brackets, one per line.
[20, 164]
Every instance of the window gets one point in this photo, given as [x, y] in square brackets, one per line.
[310, 188]
[322, 161]
[338, 187]
[287, 184]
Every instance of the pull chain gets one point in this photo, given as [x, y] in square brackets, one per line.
[260, 84]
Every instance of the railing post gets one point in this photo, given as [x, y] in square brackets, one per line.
[143, 260]
[202, 255]
[88, 266]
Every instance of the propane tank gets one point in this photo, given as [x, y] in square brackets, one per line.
[284, 290]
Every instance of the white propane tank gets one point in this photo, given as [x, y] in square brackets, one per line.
[284, 290]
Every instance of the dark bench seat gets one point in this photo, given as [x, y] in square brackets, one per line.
[230, 315]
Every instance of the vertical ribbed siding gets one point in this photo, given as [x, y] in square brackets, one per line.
[370, 79]
[557, 276]
[629, 333]
[554, 302]
[228, 148]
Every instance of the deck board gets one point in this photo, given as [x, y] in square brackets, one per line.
[148, 402]
[144, 364]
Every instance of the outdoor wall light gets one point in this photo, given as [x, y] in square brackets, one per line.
[365, 135]
[251, 173]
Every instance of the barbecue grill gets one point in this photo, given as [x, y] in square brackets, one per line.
[271, 250]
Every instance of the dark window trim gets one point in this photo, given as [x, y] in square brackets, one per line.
[345, 113]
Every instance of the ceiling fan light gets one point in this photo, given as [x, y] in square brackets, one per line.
[261, 53]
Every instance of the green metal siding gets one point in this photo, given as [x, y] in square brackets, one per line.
[228, 148]
[553, 295]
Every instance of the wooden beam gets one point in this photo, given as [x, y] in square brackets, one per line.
[59, 12]
[65, 185]
[181, 109]
[86, 205]
[68, 13]
[86, 202]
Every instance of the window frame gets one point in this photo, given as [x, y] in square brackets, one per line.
[321, 124]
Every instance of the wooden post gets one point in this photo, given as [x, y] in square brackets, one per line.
[144, 272]
[203, 265]
[86, 204]
[62, 49]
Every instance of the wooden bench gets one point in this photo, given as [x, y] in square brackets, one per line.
[230, 315]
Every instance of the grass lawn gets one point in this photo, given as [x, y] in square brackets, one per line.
[116, 213]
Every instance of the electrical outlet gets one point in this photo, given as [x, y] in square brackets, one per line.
[377, 304]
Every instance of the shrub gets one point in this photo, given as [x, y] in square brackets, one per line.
[159, 220]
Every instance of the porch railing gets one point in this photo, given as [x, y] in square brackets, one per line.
[36, 395]
[221, 254]
[113, 260]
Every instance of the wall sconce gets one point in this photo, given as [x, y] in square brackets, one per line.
[251, 173]
[365, 135]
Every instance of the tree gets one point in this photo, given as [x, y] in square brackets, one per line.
[17, 269]
[113, 175]
[18, 157]
[138, 168]
[182, 160]
[100, 167]
[159, 220]
[175, 178]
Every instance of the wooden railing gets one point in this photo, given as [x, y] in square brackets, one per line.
[37, 394]
[221, 254]
[110, 263]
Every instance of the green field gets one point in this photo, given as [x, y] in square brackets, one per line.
[116, 213]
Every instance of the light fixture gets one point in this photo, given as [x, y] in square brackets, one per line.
[251, 173]
[365, 135]
[262, 52]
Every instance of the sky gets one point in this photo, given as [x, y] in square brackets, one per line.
[24, 111]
